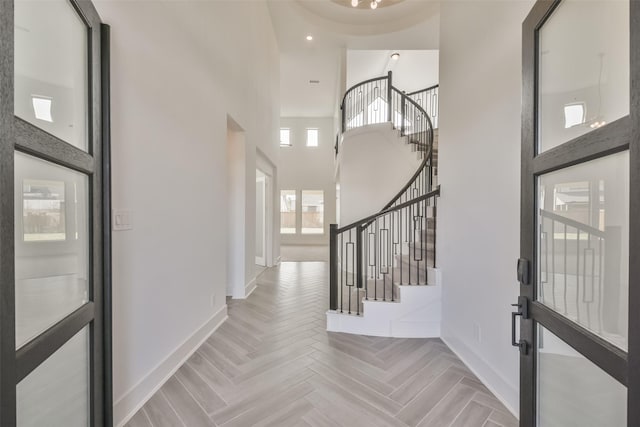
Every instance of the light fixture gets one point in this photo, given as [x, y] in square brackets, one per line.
[372, 3]
[599, 120]
[309, 37]
[395, 56]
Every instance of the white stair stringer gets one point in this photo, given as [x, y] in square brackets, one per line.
[416, 314]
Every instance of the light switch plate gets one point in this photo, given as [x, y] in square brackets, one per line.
[122, 220]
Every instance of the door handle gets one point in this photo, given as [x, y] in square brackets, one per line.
[523, 311]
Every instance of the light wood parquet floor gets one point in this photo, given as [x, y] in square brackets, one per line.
[274, 364]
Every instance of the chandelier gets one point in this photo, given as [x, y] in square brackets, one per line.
[373, 4]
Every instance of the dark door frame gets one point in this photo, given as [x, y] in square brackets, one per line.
[620, 135]
[18, 135]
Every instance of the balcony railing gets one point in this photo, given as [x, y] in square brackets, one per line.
[376, 101]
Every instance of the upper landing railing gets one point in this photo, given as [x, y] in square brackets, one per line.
[368, 103]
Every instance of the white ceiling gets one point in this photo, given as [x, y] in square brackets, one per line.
[407, 25]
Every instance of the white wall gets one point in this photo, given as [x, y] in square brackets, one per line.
[414, 70]
[175, 79]
[309, 168]
[479, 167]
[375, 163]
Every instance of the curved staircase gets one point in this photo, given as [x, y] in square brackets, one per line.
[383, 280]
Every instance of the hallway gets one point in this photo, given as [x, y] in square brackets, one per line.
[273, 364]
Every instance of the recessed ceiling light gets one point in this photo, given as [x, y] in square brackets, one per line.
[354, 3]
[374, 4]
[395, 56]
[309, 37]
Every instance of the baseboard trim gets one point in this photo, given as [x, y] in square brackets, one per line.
[127, 406]
[251, 286]
[248, 289]
[485, 373]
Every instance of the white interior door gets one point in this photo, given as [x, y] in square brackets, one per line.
[261, 214]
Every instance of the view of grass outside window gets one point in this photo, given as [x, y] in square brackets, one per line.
[288, 211]
[312, 137]
[285, 137]
[43, 211]
[312, 212]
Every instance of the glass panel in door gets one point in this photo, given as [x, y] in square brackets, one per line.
[52, 244]
[583, 73]
[583, 245]
[51, 69]
[572, 391]
[56, 393]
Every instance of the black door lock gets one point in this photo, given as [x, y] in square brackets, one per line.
[523, 310]
[523, 271]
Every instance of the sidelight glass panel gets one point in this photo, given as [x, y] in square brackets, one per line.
[583, 74]
[583, 245]
[288, 212]
[312, 212]
[572, 391]
[56, 393]
[51, 69]
[52, 236]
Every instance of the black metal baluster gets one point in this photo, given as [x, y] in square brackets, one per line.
[375, 260]
[393, 252]
[357, 288]
[435, 235]
[578, 274]
[410, 221]
[566, 310]
[343, 267]
[349, 247]
[359, 260]
[600, 282]
[553, 262]
[367, 249]
[586, 300]
[400, 244]
[333, 268]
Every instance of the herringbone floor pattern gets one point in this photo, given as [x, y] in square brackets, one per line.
[273, 364]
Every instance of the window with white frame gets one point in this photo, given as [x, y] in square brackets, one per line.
[312, 212]
[285, 137]
[312, 137]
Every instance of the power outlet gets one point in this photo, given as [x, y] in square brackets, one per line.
[477, 332]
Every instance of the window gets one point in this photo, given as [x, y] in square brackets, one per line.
[285, 137]
[288, 212]
[574, 115]
[42, 108]
[312, 137]
[312, 212]
[43, 211]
